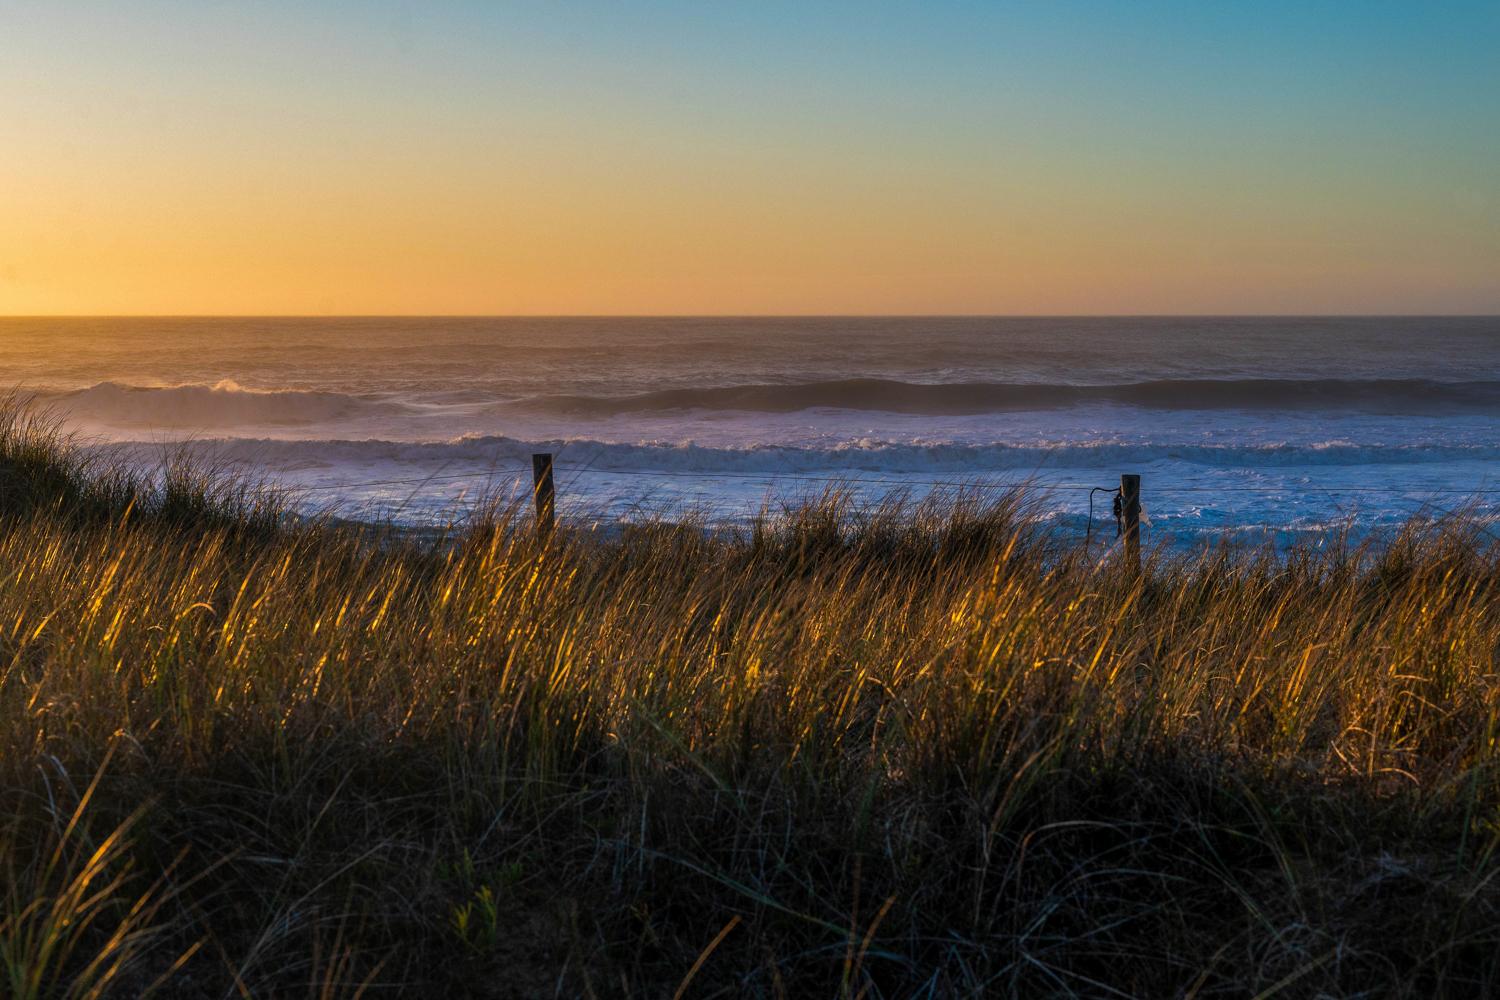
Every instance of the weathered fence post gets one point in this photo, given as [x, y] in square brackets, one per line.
[1130, 510]
[546, 496]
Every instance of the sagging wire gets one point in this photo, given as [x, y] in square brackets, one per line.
[1119, 511]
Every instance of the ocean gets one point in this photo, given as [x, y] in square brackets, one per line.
[1251, 428]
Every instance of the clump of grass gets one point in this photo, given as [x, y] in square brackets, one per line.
[44, 469]
[921, 749]
[73, 921]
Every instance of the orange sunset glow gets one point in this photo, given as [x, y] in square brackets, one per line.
[462, 160]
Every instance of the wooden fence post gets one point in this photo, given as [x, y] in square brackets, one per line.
[542, 489]
[1130, 510]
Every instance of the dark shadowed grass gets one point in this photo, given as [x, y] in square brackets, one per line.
[920, 749]
[43, 469]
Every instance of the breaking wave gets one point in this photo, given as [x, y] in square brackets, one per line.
[954, 399]
[226, 404]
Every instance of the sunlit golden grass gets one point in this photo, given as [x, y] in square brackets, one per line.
[921, 750]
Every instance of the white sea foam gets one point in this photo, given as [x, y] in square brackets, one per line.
[944, 458]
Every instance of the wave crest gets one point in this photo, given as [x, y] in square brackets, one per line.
[207, 407]
[966, 398]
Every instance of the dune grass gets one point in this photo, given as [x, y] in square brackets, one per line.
[922, 750]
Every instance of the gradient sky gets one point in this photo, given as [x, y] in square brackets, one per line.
[1103, 157]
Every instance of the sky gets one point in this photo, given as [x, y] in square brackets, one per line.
[783, 158]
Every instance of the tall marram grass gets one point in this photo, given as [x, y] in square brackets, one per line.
[922, 750]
